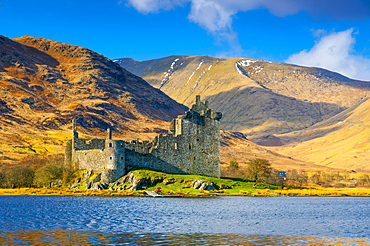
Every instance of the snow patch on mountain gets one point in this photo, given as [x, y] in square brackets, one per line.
[169, 72]
[200, 64]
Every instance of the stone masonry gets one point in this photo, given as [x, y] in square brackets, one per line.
[192, 146]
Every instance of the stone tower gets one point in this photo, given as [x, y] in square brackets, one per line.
[199, 131]
[104, 155]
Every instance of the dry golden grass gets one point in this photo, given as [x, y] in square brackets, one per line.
[266, 101]
[49, 83]
[242, 150]
[341, 142]
[317, 192]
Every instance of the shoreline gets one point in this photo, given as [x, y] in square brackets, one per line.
[306, 192]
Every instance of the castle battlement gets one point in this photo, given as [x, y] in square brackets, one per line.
[192, 146]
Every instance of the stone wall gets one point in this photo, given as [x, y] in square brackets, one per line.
[191, 147]
[89, 144]
[105, 155]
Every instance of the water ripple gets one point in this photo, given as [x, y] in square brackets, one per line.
[328, 218]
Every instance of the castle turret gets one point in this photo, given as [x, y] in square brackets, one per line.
[74, 129]
[74, 133]
[197, 99]
[198, 133]
[201, 128]
[114, 159]
[109, 133]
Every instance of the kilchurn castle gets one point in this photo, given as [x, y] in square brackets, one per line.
[192, 146]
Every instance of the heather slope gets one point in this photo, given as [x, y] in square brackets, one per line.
[45, 84]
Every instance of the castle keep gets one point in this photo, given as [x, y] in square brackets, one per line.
[192, 146]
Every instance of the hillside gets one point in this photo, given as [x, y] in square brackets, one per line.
[341, 141]
[45, 84]
[235, 146]
[257, 98]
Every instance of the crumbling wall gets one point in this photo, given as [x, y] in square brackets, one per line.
[105, 155]
[162, 154]
[89, 144]
[192, 147]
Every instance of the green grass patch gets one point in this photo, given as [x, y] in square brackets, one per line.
[173, 184]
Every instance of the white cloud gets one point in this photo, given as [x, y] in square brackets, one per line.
[154, 6]
[216, 16]
[334, 52]
[211, 15]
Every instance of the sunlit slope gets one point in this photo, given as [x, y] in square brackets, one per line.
[45, 84]
[234, 146]
[256, 97]
[342, 141]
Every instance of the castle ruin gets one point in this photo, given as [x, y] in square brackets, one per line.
[192, 146]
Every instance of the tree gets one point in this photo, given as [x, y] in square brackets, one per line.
[258, 170]
[2, 179]
[48, 173]
[19, 176]
[275, 179]
[296, 179]
[234, 165]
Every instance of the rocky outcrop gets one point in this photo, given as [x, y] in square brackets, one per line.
[202, 185]
[131, 181]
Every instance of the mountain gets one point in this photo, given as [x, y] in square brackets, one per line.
[45, 84]
[235, 146]
[341, 141]
[258, 98]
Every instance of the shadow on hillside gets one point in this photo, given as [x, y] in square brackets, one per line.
[247, 107]
[15, 54]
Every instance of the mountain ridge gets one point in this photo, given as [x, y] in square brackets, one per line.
[258, 98]
[45, 84]
[309, 114]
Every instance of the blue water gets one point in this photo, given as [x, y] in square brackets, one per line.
[197, 221]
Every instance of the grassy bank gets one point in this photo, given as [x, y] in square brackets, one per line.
[173, 184]
[319, 192]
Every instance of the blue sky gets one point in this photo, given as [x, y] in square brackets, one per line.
[333, 34]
